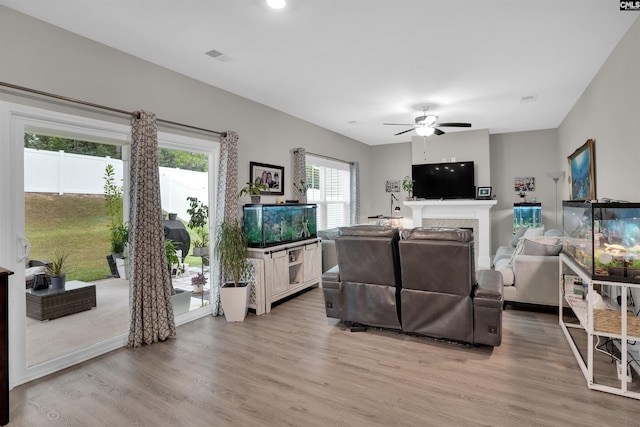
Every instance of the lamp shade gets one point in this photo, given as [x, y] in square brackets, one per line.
[424, 130]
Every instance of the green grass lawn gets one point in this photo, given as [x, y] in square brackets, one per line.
[77, 224]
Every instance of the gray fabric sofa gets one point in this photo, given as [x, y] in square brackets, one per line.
[424, 284]
[529, 264]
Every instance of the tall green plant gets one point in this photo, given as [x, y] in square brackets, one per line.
[112, 196]
[119, 230]
[198, 218]
[230, 250]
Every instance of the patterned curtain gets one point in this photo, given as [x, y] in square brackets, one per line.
[150, 289]
[299, 170]
[226, 204]
[355, 193]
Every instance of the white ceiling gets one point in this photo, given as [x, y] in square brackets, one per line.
[350, 65]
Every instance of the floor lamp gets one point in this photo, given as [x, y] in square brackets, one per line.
[555, 176]
[397, 207]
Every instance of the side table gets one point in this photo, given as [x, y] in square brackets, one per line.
[50, 303]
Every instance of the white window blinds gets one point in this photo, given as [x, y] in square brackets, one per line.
[328, 184]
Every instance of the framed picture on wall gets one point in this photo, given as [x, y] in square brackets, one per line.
[524, 183]
[393, 186]
[582, 177]
[270, 175]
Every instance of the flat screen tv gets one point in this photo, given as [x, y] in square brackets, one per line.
[444, 181]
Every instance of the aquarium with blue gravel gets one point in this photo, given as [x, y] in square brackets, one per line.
[604, 239]
[275, 224]
[527, 215]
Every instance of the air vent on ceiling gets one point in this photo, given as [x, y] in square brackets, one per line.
[530, 98]
[214, 53]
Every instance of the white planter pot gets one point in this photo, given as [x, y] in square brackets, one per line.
[181, 301]
[121, 266]
[197, 289]
[235, 301]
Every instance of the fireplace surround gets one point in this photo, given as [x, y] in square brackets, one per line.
[458, 213]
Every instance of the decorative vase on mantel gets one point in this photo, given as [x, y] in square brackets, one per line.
[302, 199]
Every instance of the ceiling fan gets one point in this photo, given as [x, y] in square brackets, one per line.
[426, 125]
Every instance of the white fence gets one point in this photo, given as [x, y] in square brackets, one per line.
[65, 173]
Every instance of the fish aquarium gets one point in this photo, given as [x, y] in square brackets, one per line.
[604, 239]
[276, 224]
[527, 215]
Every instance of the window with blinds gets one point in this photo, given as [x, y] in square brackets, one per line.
[328, 183]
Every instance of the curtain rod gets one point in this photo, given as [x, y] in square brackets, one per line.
[330, 158]
[102, 107]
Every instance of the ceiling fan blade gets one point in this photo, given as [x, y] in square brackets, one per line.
[456, 125]
[404, 131]
[398, 124]
[437, 131]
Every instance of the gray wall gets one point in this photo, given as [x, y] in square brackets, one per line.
[608, 112]
[515, 154]
[390, 162]
[47, 58]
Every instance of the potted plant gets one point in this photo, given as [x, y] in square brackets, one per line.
[119, 241]
[407, 185]
[522, 196]
[180, 298]
[57, 269]
[198, 218]
[230, 250]
[253, 189]
[198, 283]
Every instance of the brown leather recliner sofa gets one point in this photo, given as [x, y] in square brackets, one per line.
[423, 283]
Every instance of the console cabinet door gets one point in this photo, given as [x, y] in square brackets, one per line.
[312, 262]
[279, 277]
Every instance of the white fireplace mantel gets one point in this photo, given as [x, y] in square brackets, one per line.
[459, 209]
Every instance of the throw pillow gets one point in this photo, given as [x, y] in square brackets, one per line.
[534, 232]
[553, 232]
[517, 235]
[551, 247]
[517, 251]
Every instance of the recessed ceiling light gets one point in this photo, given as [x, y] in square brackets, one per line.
[276, 4]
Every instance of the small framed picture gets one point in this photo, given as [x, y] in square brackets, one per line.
[393, 186]
[484, 193]
[270, 175]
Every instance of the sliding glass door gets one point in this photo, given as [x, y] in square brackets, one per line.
[59, 172]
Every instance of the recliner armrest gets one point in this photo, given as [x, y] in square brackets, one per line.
[331, 277]
[489, 290]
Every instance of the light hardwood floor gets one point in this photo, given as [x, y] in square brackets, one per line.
[295, 367]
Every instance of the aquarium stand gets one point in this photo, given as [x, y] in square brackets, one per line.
[287, 270]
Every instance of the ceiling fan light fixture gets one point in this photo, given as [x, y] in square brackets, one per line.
[424, 131]
[430, 120]
[276, 4]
